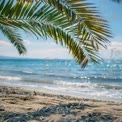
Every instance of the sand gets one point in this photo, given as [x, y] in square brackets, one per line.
[22, 105]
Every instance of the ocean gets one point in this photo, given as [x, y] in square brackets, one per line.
[102, 81]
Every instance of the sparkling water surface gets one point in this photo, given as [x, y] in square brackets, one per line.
[102, 81]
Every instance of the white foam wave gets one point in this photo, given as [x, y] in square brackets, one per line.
[55, 88]
[28, 72]
[10, 78]
[77, 84]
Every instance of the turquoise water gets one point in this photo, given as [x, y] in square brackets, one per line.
[103, 81]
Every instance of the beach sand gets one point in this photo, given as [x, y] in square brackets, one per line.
[22, 105]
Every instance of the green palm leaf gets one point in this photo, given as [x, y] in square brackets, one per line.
[75, 24]
[14, 37]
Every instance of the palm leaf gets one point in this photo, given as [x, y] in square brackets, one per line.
[14, 37]
[74, 24]
[86, 17]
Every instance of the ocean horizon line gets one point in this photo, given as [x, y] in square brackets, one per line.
[48, 58]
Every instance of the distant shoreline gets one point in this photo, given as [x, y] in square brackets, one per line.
[35, 105]
[48, 58]
[29, 58]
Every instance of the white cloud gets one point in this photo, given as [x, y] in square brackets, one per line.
[60, 53]
[116, 45]
[49, 49]
[114, 51]
[7, 49]
[4, 43]
[28, 42]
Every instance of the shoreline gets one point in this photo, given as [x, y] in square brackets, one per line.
[35, 106]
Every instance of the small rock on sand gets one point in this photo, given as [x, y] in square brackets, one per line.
[2, 108]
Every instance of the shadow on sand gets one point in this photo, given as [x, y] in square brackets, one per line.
[71, 112]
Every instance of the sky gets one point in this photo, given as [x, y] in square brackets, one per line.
[42, 48]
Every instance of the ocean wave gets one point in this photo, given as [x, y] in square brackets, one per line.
[27, 72]
[106, 86]
[10, 78]
[55, 88]
[74, 84]
[19, 72]
[77, 84]
[86, 78]
[83, 84]
[62, 83]
[39, 81]
[89, 85]
[66, 77]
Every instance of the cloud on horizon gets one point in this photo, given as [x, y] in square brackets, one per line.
[114, 51]
[4, 44]
[49, 49]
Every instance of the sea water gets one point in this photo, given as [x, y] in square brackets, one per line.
[102, 81]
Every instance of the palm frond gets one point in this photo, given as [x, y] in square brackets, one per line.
[14, 38]
[82, 53]
[73, 23]
[87, 19]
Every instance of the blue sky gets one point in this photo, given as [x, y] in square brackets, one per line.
[43, 48]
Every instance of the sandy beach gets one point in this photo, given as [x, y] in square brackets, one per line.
[61, 61]
[21, 105]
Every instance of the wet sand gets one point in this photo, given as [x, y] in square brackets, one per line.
[22, 105]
